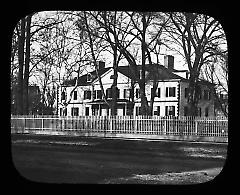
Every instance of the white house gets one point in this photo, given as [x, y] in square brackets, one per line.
[171, 94]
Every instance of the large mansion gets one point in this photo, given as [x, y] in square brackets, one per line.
[171, 94]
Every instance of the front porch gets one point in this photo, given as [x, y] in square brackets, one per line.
[101, 108]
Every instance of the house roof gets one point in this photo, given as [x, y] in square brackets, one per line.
[82, 81]
[161, 72]
[156, 71]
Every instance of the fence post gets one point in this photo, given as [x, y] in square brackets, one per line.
[24, 126]
[196, 127]
[135, 124]
[42, 124]
[165, 126]
[110, 126]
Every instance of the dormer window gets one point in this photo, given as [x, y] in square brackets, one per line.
[89, 77]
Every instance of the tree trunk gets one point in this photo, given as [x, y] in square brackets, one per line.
[193, 95]
[26, 69]
[154, 73]
[144, 102]
[94, 59]
[153, 94]
[114, 85]
[21, 41]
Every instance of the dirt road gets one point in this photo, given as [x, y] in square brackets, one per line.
[58, 159]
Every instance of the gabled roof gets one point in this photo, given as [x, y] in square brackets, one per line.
[82, 81]
[160, 72]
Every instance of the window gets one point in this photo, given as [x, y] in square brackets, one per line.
[87, 111]
[129, 110]
[96, 111]
[199, 111]
[206, 95]
[138, 110]
[170, 110]
[186, 92]
[75, 95]
[158, 92]
[137, 93]
[74, 111]
[170, 91]
[126, 93]
[206, 111]
[94, 94]
[87, 95]
[166, 110]
[109, 93]
[118, 93]
[65, 112]
[99, 94]
[89, 77]
[199, 92]
[156, 110]
[63, 96]
[124, 111]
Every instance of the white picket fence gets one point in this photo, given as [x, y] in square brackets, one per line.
[154, 125]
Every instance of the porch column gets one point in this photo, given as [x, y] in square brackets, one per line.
[99, 107]
[124, 114]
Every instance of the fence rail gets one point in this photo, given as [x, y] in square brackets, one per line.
[154, 125]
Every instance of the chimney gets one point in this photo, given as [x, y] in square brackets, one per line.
[100, 65]
[169, 62]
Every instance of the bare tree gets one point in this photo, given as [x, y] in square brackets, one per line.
[86, 28]
[197, 36]
[21, 41]
[216, 71]
[108, 22]
[24, 36]
[141, 31]
[26, 68]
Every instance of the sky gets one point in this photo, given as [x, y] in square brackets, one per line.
[179, 62]
[107, 57]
